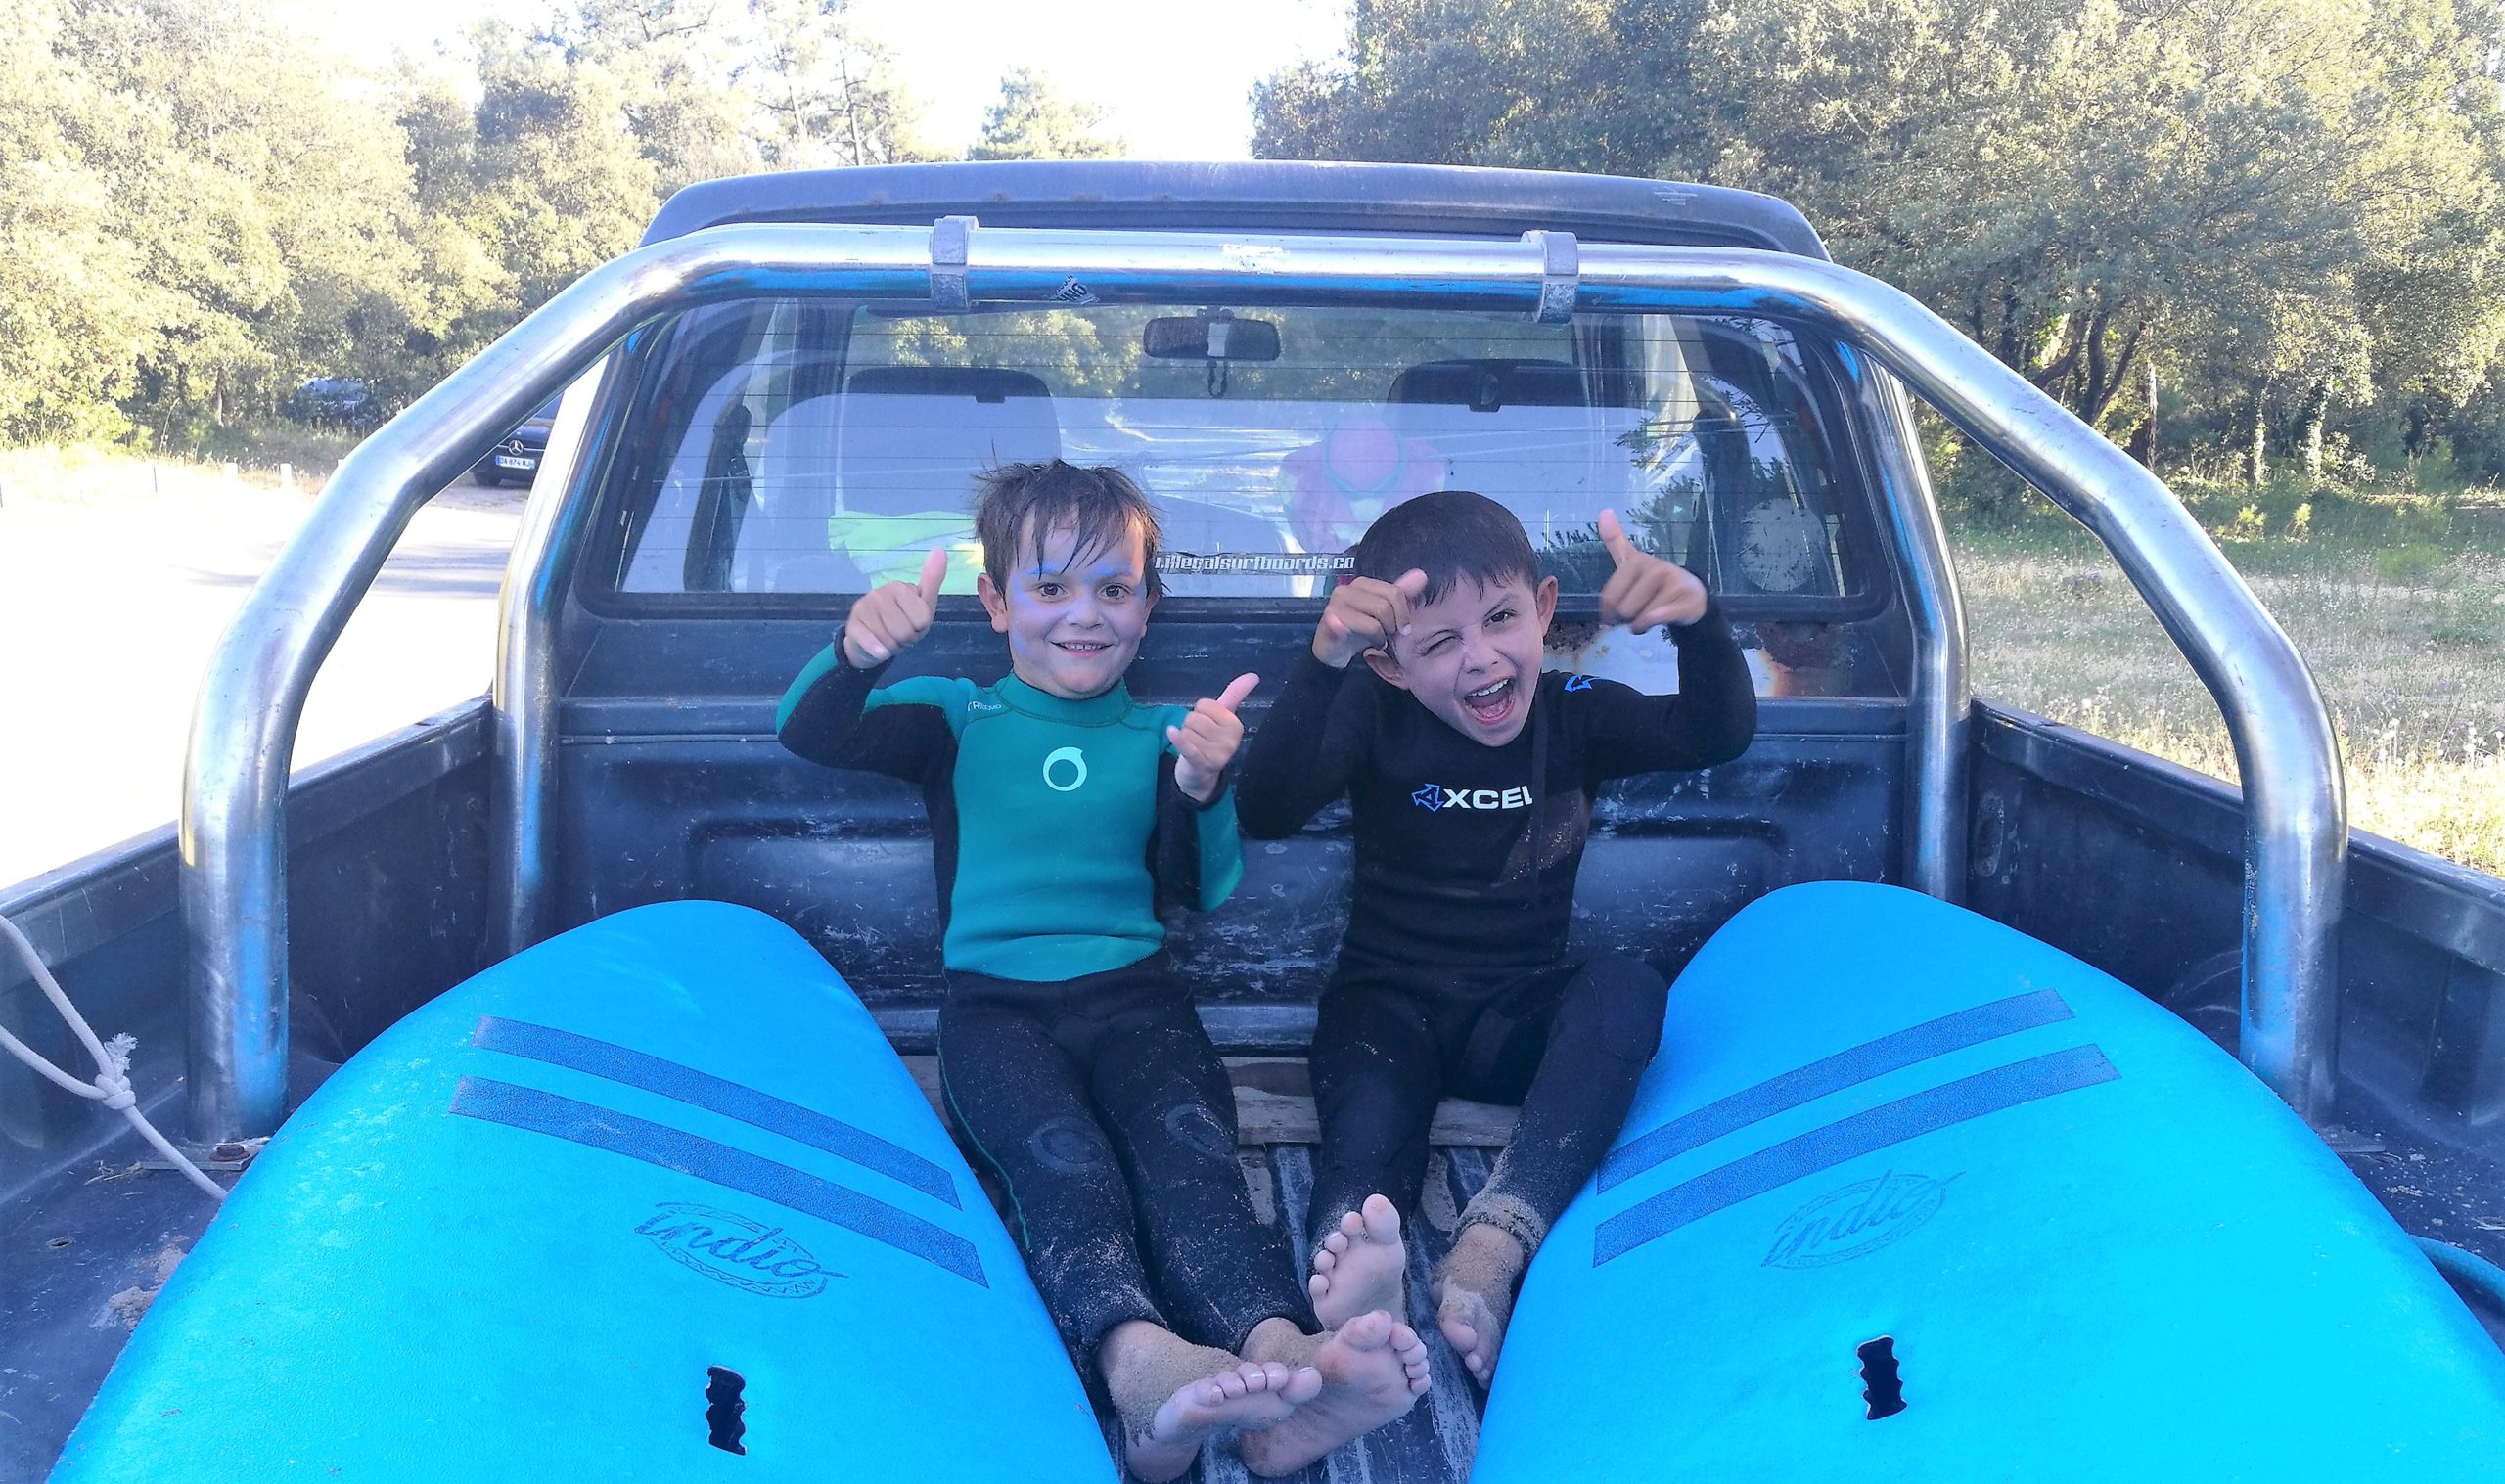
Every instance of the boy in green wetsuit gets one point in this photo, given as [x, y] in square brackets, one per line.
[1061, 814]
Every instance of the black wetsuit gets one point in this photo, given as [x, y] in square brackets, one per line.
[1453, 977]
[1070, 1053]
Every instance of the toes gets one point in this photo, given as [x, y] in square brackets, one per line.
[1368, 1332]
[1352, 1224]
[1318, 1286]
[1303, 1385]
[1230, 1384]
[1379, 1218]
[1409, 1345]
[1326, 1257]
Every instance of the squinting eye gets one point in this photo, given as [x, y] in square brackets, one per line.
[1500, 617]
[1432, 646]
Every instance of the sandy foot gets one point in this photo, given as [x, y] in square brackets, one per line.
[1474, 1294]
[1374, 1368]
[1172, 1395]
[1358, 1269]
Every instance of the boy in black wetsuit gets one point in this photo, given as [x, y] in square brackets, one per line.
[1062, 813]
[1470, 778]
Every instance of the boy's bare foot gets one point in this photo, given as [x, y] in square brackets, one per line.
[1171, 1395]
[1474, 1294]
[1358, 1269]
[1374, 1368]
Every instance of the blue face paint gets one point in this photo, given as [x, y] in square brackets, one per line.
[1073, 622]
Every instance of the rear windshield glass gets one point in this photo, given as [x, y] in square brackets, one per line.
[815, 447]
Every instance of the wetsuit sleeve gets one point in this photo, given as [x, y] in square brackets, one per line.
[1316, 735]
[833, 714]
[1710, 720]
[1195, 855]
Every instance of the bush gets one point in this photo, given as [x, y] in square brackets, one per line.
[1978, 491]
[2413, 566]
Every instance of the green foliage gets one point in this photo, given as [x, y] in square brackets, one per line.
[824, 96]
[2281, 207]
[2413, 566]
[73, 309]
[199, 210]
[1032, 120]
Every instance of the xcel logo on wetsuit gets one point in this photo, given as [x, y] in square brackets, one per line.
[1436, 796]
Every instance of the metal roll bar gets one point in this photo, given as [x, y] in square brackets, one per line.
[233, 835]
[1939, 698]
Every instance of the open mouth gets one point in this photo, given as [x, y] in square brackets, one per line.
[1087, 648]
[1489, 704]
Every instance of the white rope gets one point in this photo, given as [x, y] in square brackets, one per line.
[111, 1086]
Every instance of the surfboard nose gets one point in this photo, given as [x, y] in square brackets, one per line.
[1907, 1195]
[648, 1199]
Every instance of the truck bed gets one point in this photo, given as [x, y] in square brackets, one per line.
[81, 1252]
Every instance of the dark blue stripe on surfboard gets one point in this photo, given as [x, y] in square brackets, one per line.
[658, 1143]
[1832, 1074]
[731, 1100]
[1865, 1133]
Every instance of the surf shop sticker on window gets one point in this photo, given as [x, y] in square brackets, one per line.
[730, 1249]
[1855, 1220]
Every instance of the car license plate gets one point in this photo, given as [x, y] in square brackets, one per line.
[508, 460]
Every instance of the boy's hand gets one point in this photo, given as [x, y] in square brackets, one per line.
[1206, 742]
[1645, 592]
[1365, 614]
[893, 614]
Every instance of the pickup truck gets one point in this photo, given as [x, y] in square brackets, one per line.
[781, 398]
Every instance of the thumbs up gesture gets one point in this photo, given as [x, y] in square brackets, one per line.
[893, 614]
[1206, 742]
[1645, 592]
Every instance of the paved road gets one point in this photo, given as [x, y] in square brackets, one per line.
[108, 615]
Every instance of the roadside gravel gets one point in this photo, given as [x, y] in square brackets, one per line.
[110, 608]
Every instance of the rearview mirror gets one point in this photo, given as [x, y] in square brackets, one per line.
[1210, 338]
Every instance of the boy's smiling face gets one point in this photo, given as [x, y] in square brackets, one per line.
[1074, 609]
[1472, 656]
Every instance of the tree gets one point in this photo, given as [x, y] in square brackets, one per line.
[562, 185]
[2283, 198]
[1033, 121]
[822, 96]
[73, 308]
[264, 215]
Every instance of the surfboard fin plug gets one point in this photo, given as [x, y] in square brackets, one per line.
[723, 1407]
[1883, 1392]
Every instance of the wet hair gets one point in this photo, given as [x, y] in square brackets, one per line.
[1029, 502]
[1449, 535]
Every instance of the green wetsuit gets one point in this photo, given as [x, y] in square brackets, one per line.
[1064, 1035]
[1056, 828]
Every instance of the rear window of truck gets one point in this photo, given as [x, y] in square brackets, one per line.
[802, 446]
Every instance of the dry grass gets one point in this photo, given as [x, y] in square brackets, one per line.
[92, 476]
[2410, 657]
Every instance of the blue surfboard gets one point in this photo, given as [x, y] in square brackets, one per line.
[1907, 1195]
[653, 1200]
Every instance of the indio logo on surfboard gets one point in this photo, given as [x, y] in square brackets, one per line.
[1855, 1220]
[731, 1248]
